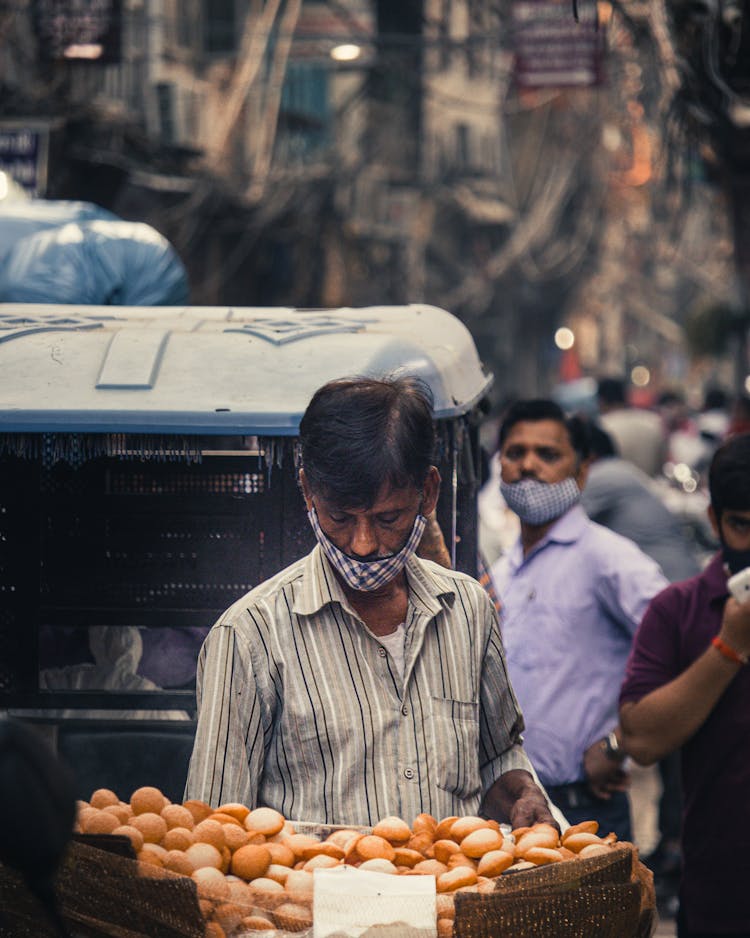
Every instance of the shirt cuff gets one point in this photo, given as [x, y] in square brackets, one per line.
[513, 758]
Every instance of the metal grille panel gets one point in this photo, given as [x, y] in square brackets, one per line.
[8, 627]
[179, 483]
[166, 545]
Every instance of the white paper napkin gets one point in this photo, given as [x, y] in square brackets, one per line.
[353, 902]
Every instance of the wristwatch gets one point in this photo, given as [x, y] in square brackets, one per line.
[612, 748]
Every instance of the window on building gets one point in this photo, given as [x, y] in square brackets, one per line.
[165, 107]
[304, 119]
[475, 44]
[444, 27]
[463, 155]
[219, 26]
[183, 25]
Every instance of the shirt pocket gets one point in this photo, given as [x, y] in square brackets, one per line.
[455, 745]
[539, 633]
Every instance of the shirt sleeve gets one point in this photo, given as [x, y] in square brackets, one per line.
[596, 499]
[654, 656]
[500, 718]
[228, 753]
[630, 580]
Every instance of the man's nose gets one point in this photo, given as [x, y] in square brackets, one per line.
[528, 464]
[363, 543]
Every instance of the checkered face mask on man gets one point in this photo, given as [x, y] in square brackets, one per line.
[367, 575]
[538, 502]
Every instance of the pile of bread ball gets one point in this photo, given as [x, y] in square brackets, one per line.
[254, 871]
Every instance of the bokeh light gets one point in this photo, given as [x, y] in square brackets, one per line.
[640, 376]
[346, 52]
[564, 338]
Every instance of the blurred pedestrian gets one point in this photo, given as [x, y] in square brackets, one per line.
[739, 415]
[572, 595]
[498, 525]
[709, 427]
[683, 441]
[619, 495]
[687, 689]
[713, 419]
[37, 814]
[637, 432]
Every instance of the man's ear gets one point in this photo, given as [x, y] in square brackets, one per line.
[430, 491]
[305, 488]
[583, 473]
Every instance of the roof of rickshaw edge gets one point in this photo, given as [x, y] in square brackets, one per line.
[216, 370]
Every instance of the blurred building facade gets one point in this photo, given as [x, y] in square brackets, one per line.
[347, 152]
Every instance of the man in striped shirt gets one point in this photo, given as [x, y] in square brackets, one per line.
[363, 681]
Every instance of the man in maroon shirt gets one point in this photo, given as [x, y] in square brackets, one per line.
[687, 688]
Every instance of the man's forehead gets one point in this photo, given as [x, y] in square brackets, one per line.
[387, 495]
[538, 433]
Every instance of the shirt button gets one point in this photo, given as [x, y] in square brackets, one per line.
[405, 711]
[408, 773]
[381, 652]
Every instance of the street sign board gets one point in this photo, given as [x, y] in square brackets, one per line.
[24, 153]
[554, 49]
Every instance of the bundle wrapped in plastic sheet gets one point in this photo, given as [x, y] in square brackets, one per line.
[21, 219]
[99, 262]
[108, 895]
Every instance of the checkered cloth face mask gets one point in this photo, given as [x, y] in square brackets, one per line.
[367, 575]
[538, 502]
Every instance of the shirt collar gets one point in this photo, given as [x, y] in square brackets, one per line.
[566, 530]
[428, 589]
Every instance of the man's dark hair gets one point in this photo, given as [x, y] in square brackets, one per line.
[715, 398]
[538, 408]
[672, 396]
[358, 434]
[602, 444]
[611, 390]
[729, 475]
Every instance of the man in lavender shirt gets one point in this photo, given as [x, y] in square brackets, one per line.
[573, 593]
[687, 689]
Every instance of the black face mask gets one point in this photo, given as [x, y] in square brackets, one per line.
[735, 560]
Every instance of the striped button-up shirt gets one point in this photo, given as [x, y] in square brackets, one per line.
[302, 708]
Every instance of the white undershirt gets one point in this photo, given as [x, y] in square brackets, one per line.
[394, 642]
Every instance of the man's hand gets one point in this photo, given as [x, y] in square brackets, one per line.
[531, 808]
[432, 546]
[516, 799]
[604, 774]
[735, 626]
